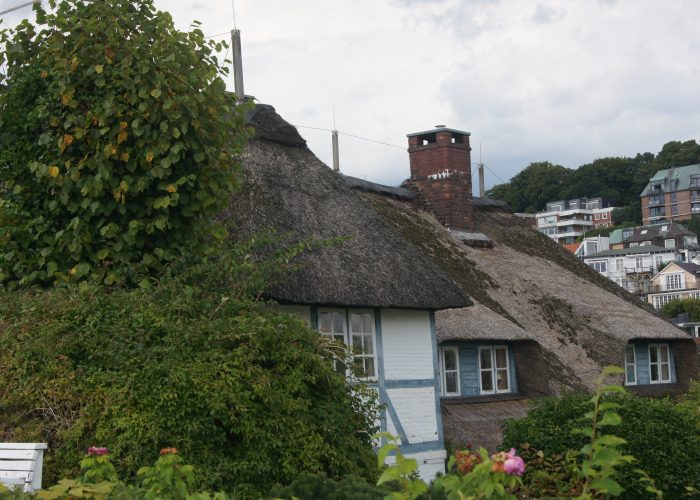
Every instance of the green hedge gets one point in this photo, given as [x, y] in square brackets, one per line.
[663, 436]
[242, 391]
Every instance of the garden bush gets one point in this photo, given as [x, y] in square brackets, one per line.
[662, 435]
[242, 391]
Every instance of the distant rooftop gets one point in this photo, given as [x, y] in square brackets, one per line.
[630, 251]
[672, 179]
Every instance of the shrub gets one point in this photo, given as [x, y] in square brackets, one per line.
[241, 390]
[316, 486]
[661, 435]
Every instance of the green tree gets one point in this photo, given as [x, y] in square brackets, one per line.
[682, 306]
[118, 142]
[533, 187]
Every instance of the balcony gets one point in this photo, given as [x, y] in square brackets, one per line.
[656, 201]
[639, 270]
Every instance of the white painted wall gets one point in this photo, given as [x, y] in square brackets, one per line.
[406, 338]
[415, 408]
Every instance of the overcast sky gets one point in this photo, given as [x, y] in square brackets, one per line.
[561, 81]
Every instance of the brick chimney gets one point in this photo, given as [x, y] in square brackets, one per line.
[441, 169]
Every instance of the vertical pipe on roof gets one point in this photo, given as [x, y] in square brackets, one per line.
[336, 155]
[237, 64]
[482, 188]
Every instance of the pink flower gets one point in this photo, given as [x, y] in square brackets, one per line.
[95, 451]
[514, 465]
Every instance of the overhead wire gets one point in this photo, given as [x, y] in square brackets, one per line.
[351, 135]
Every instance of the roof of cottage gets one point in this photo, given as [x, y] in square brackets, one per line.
[476, 323]
[288, 190]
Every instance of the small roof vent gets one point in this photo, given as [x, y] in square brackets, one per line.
[439, 126]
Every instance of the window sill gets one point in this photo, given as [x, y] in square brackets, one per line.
[655, 389]
[488, 398]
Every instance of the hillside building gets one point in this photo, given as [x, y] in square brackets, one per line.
[672, 195]
[566, 220]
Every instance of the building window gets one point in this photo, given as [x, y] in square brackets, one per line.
[673, 281]
[630, 366]
[494, 370]
[605, 215]
[639, 262]
[618, 264]
[332, 323]
[600, 266]
[362, 336]
[659, 364]
[449, 371]
[657, 261]
[662, 300]
[670, 243]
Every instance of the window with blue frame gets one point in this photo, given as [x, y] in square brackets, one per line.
[649, 363]
[469, 369]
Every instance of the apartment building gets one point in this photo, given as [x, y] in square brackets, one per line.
[672, 195]
[566, 220]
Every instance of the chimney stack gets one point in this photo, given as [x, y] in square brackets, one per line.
[441, 168]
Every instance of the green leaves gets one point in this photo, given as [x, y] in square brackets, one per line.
[98, 129]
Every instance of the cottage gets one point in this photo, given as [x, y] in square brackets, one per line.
[446, 367]
[373, 290]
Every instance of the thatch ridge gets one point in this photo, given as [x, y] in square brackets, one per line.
[288, 189]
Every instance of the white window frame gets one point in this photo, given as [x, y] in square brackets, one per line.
[332, 335]
[659, 363]
[347, 338]
[355, 356]
[493, 369]
[632, 364]
[444, 370]
[673, 281]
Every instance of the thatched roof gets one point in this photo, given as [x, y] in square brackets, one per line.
[527, 286]
[476, 323]
[288, 189]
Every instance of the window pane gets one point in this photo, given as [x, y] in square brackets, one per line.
[485, 358]
[653, 354]
[324, 321]
[339, 338]
[629, 354]
[664, 373]
[369, 367]
[367, 323]
[654, 373]
[357, 342]
[629, 374]
[338, 322]
[501, 358]
[368, 348]
[663, 353]
[355, 323]
[450, 360]
[502, 380]
[486, 381]
[451, 382]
